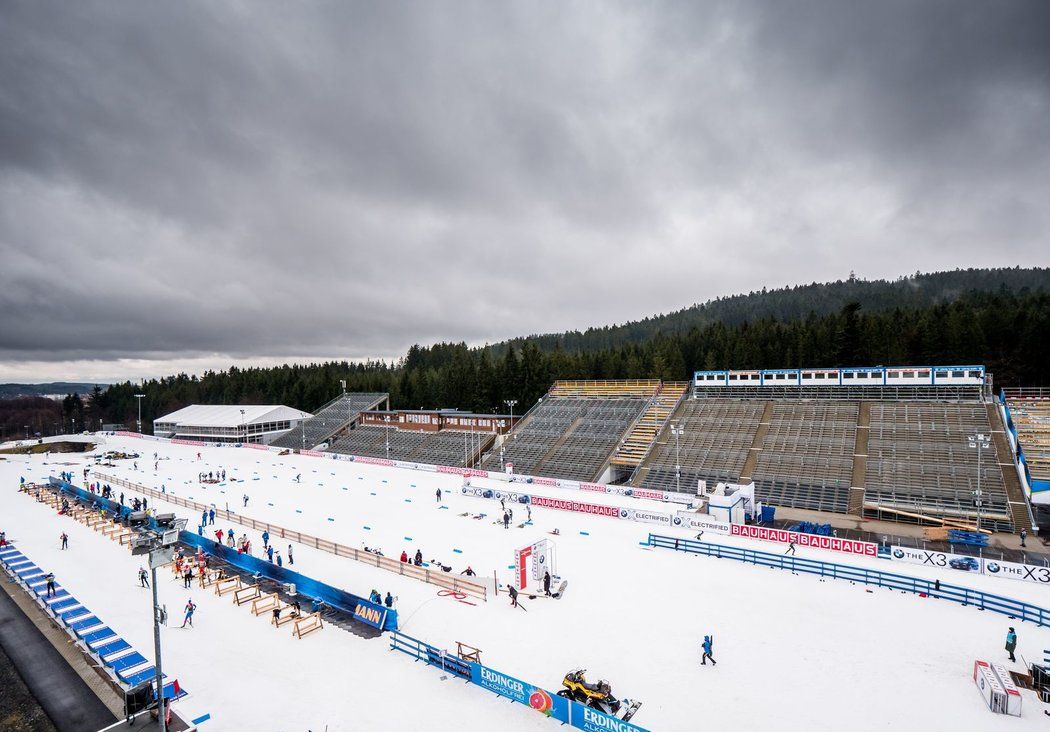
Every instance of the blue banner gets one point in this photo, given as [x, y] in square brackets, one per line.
[592, 720]
[551, 705]
[370, 614]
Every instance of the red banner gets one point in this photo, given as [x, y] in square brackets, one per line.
[372, 461]
[576, 506]
[311, 453]
[473, 472]
[646, 493]
[844, 546]
[187, 442]
[593, 487]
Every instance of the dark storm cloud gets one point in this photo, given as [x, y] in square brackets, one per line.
[182, 180]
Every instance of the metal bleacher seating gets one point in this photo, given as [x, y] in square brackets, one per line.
[919, 460]
[442, 447]
[716, 437]
[1030, 412]
[329, 419]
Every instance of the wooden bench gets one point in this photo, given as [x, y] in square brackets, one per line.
[266, 604]
[308, 624]
[230, 584]
[246, 594]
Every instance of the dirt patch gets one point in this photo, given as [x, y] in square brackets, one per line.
[40, 448]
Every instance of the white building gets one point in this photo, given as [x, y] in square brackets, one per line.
[229, 423]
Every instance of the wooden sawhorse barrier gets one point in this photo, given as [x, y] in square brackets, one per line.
[246, 594]
[267, 604]
[307, 624]
[224, 586]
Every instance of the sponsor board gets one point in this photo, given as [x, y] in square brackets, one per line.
[255, 446]
[373, 461]
[940, 560]
[312, 453]
[843, 546]
[592, 487]
[586, 718]
[700, 522]
[370, 614]
[647, 493]
[542, 701]
[1017, 571]
[645, 517]
[576, 506]
[180, 441]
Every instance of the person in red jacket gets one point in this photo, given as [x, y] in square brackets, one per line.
[404, 557]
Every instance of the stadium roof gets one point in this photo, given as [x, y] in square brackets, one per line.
[229, 415]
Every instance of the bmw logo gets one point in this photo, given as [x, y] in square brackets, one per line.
[899, 553]
[991, 567]
[623, 513]
[528, 480]
[677, 520]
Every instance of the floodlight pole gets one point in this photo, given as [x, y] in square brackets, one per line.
[677, 431]
[979, 442]
[140, 397]
[510, 403]
[244, 427]
[156, 650]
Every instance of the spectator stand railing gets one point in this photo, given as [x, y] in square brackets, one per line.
[942, 590]
[423, 574]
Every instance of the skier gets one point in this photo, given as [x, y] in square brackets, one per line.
[298, 477]
[547, 584]
[190, 607]
[791, 549]
[438, 495]
[506, 520]
[528, 512]
[246, 500]
[469, 572]
[1011, 643]
[50, 577]
[211, 517]
[143, 578]
[291, 559]
[65, 541]
[707, 644]
[513, 596]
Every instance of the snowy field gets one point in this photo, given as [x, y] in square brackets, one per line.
[793, 652]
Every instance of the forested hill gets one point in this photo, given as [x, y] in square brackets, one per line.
[792, 303]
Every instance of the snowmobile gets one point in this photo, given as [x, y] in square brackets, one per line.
[598, 696]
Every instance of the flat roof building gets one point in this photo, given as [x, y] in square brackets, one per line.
[229, 422]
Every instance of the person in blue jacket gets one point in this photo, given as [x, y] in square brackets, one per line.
[266, 539]
[708, 645]
[211, 517]
[1011, 643]
[269, 553]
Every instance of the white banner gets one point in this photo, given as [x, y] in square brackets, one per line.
[700, 522]
[941, 560]
[645, 517]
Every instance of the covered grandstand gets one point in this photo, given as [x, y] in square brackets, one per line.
[1028, 414]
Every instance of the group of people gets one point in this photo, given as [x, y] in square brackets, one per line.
[378, 599]
[212, 476]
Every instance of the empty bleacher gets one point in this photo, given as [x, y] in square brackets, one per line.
[636, 445]
[573, 431]
[716, 436]
[442, 447]
[329, 419]
[919, 461]
[1030, 413]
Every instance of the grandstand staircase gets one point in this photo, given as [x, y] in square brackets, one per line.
[557, 445]
[1015, 495]
[860, 461]
[756, 444]
[634, 448]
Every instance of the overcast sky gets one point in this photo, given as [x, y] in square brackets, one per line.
[186, 185]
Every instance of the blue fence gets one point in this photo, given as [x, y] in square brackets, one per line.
[307, 586]
[1014, 609]
[558, 708]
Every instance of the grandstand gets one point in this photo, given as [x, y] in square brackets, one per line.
[1029, 415]
[573, 431]
[443, 447]
[334, 416]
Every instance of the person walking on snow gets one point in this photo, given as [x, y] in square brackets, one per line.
[218, 535]
[791, 549]
[513, 595]
[291, 559]
[547, 584]
[190, 607]
[50, 577]
[707, 645]
[269, 553]
[266, 539]
[506, 520]
[211, 517]
[1011, 643]
[1024, 535]
[204, 518]
[298, 477]
[65, 541]
[279, 562]
[245, 500]
[438, 494]
[143, 578]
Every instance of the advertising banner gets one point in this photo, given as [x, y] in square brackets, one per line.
[550, 705]
[593, 487]
[312, 453]
[843, 546]
[1017, 571]
[645, 517]
[373, 461]
[592, 720]
[370, 614]
[562, 505]
[700, 522]
[647, 493]
[941, 560]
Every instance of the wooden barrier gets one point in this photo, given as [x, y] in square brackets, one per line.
[284, 619]
[246, 594]
[112, 530]
[266, 603]
[230, 584]
[423, 574]
[124, 537]
[306, 625]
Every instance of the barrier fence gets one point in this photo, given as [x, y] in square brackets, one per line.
[932, 588]
[556, 707]
[423, 574]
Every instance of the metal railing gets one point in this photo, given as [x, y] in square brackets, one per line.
[933, 588]
[439, 578]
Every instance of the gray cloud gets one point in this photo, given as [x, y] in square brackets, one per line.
[190, 181]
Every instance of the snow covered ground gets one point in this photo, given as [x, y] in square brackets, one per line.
[793, 652]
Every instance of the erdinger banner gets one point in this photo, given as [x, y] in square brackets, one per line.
[844, 546]
[550, 705]
[576, 506]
